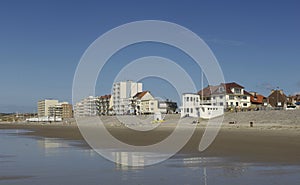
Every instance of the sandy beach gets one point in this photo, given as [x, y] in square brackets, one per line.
[273, 139]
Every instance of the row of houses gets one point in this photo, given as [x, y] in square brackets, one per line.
[127, 98]
[233, 96]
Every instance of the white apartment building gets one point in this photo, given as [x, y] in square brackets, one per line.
[86, 107]
[44, 105]
[123, 93]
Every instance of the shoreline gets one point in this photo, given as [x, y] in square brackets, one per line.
[238, 143]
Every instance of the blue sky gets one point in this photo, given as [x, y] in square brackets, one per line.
[257, 43]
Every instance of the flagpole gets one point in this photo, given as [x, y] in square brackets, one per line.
[202, 87]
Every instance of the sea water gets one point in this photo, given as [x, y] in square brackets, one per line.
[28, 160]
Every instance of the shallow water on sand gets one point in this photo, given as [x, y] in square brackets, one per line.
[32, 160]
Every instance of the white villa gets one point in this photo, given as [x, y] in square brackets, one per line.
[230, 95]
[211, 101]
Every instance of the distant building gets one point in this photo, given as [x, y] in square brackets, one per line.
[44, 105]
[104, 105]
[123, 93]
[167, 106]
[277, 99]
[294, 100]
[67, 110]
[54, 109]
[86, 107]
[258, 100]
[144, 103]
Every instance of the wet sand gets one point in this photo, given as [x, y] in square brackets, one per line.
[262, 144]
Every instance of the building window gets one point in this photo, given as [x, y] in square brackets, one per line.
[245, 104]
[187, 99]
[237, 91]
[221, 104]
[187, 110]
[231, 97]
[191, 110]
[245, 97]
[221, 97]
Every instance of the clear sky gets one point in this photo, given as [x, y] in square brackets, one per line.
[257, 43]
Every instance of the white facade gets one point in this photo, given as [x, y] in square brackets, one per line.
[230, 95]
[44, 105]
[238, 99]
[193, 107]
[190, 105]
[123, 93]
[86, 107]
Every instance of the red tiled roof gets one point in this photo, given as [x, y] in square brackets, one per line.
[215, 89]
[257, 98]
[208, 90]
[139, 95]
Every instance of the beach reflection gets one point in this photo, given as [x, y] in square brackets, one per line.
[129, 160]
[54, 161]
[51, 146]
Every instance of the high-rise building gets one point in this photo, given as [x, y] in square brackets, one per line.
[53, 108]
[123, 93]
[43, 107]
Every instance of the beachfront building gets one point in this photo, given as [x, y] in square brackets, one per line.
[294, 100]
[258, 100]
[104, 105]
[167, 106]
[86, 107]
[43, 107]
[193, 107]
[54, 109]
[277, 99]
[230, 95]
[144, 103]
[213, 95]
[123, 93]
[190, 105]
[67, 110]
[61, 110]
